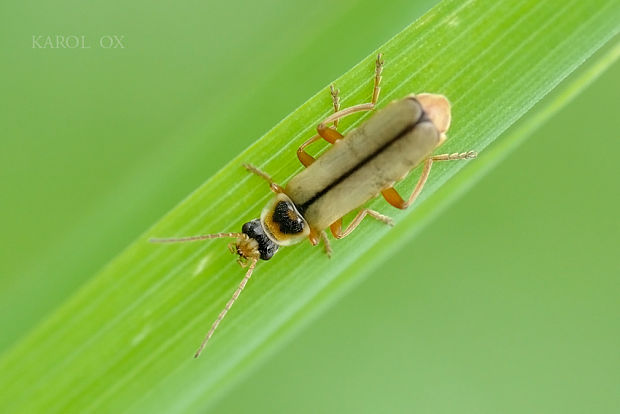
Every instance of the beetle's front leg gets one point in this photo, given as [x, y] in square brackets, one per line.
[276, 188]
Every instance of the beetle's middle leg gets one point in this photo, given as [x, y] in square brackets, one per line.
[336, 100]
[307, 159]
[392, 196]
[336, 227]
[330, 134]
[262, 174]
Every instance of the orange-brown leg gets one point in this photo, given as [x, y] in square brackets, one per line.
[320, 236]
[272, 185]
[305, 158]
[330, 134]
[392, 196]
[336, 227]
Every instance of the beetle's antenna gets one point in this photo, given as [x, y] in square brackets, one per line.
[232, 300]
[196, 238]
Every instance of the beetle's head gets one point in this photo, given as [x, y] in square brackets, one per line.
[254, 242]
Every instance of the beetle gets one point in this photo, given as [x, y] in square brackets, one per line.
[359, 166]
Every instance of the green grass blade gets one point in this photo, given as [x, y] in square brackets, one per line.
[125, 340]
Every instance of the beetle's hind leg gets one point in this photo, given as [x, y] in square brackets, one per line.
[336, 227]
[329, 133]
[392, 196]
[262, 174]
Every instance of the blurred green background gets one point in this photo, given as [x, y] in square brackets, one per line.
[508, 302]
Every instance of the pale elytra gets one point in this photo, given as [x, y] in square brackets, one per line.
[362, 164]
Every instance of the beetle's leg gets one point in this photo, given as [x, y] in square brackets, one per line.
[392, 196]
[330, 134]
[378, 70]
[272, 185]
[305, 158]
[455, 156]
[336, 227]
[326, 244]
[336, 99]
